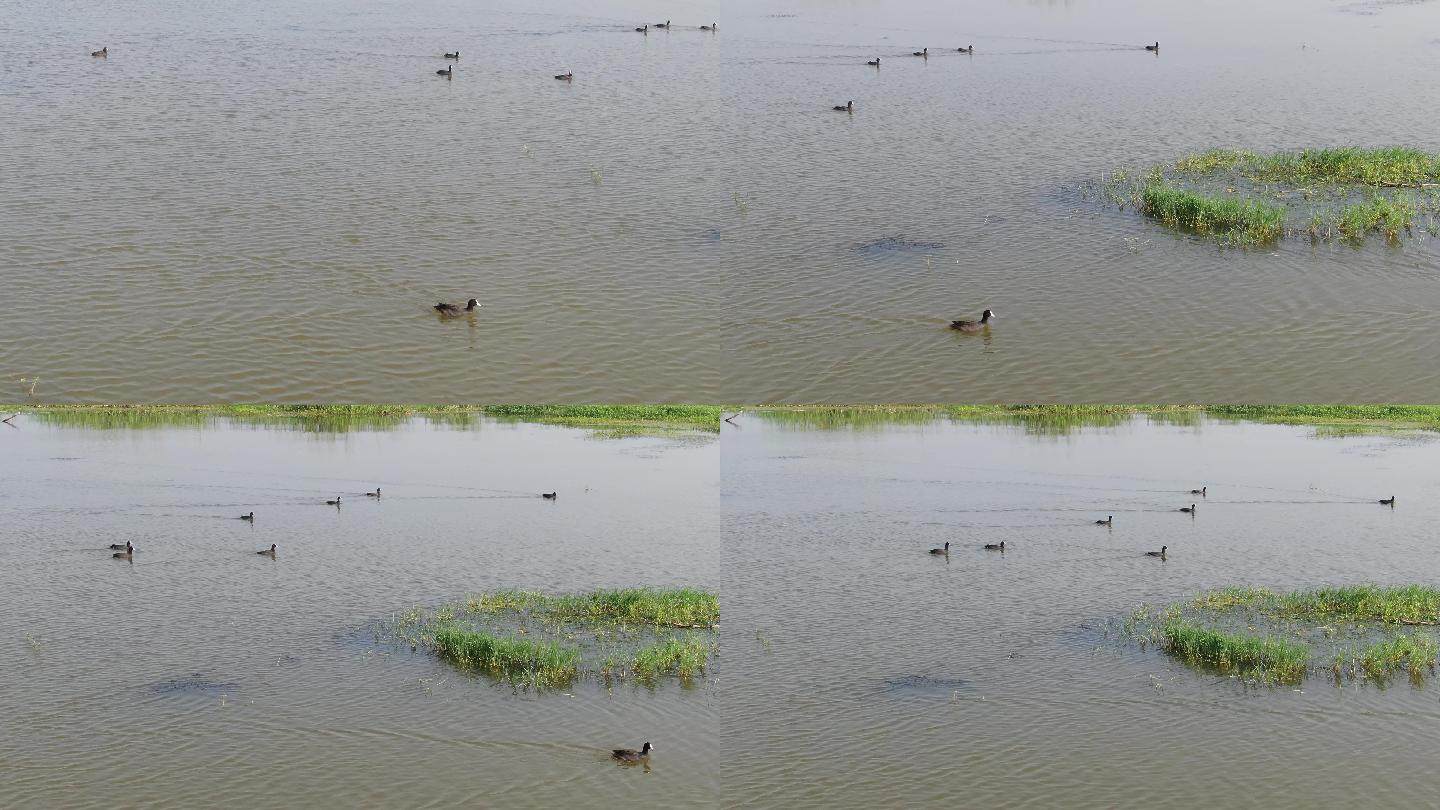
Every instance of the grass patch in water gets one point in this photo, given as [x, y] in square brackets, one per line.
[612, 420]
[1250, 222]
[1248, 199]
[683, 657]
[542, 664]
[674, 607]
[1266, 659]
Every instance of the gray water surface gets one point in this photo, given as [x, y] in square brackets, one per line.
[201, 674]
[863, 672]
[260, 203]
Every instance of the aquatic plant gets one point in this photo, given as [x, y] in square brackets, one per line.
[1267, 659]
[1243, 221]
[683, 657]
[675, 607]
[537, 663]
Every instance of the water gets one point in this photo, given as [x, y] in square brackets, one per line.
[862, 671]
[260, 204]
[203, 674]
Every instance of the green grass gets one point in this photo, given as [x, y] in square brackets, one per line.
[1390, 216]
[1356, 604]
[675, 607]
[1414, 653]
[609, 419]
[1062, 419]
[1264, 658]
[542, 664]
[1242, 221]
[684, 657]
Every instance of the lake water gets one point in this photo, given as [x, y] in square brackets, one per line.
[261, 203]
[864, 672]
[200, 674]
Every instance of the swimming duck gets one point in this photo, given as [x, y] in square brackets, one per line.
[710, 27]
[1106, 522]
[124, 555]
[269, 552]
[455, 309]
[874, 62]
[105, 51]
[974, 326]
[1160, 553]
[125, 545]
[1200, 491]
[848, 106]
[335, 502]
[447, 72]
[1390, 501]
[630, 754]
[250, 517]
[945, 550]
[644, 29]
[549, 496]
[665, 24]
[565, 77]
[1000, 546]
[374, 494]
[1154, 47]
[455, 55]
[925, 53]
[1190, 509]
[970, 49]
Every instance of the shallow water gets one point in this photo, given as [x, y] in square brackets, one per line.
[203, 674]
[862, 671]
[261, 204]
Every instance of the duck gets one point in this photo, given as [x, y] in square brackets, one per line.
[630, 754]
[874, 62]
[455, 55]
[925, 53]
[710, 27]
[848, 106]
[967, 49]
[565, 77]
[124, 555]
[644, 29]
[1190, 509]
[374, 494]
[335, 502]
[974, 326]
[125, 545]
[1108, 521]
[447, 72]
[665, 24]
[1390, 501]
[455, 309]
[105, 51]
[1000, 546]
[1155, 47]
[1160, 553]
[549, 496]
[945, 550]
[269, 552]
[1201, 491]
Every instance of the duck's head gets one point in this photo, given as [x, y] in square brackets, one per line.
[645, 749]
[987, 315]
[472, 303]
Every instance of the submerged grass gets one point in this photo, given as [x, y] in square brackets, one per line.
[542, 664]
[1413, 653]
[682, 657]
[675, 607]
[1266, 659]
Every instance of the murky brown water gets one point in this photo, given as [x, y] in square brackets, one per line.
[202, 675]
[261, 203]
[863, 672]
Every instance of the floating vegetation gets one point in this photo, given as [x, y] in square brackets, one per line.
[895, 244]
[1246, 198]
[544, 641]
[1359, 632]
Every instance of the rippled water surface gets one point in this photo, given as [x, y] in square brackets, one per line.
[201, 674]
[863, 672]
[260, 202]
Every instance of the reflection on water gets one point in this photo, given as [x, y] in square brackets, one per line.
[263, 203]
[199, 672]
[862, 671]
